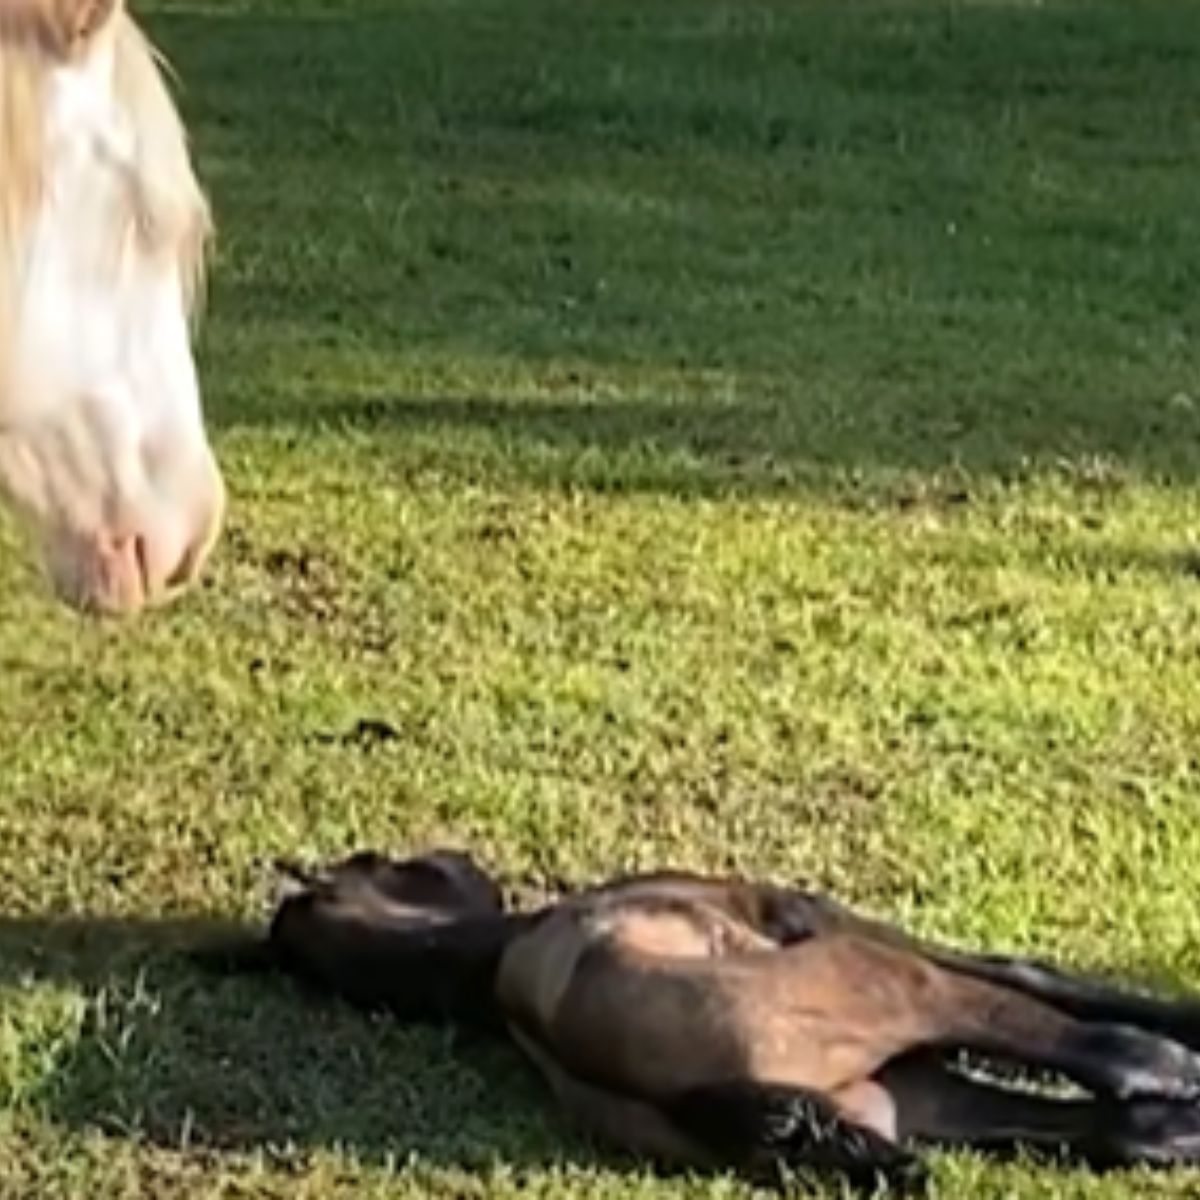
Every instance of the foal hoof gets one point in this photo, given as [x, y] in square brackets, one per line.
[906, 1176]
[1155, 1133]
[1132, 1063]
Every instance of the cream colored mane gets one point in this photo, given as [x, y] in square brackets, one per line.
[167, 210]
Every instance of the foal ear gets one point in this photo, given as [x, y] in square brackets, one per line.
[295, 879]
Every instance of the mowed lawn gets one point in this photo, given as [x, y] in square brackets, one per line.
[755, 435]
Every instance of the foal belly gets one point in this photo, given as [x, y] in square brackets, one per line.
[822, 1015]
[830, 1012]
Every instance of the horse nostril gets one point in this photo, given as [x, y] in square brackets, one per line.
[142, 557]
[143, 552]
[204, 536]
[123, 574]
[189, 564]
[99, 573]
[181, 542]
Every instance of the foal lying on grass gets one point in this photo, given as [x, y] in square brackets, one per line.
[717, 1022]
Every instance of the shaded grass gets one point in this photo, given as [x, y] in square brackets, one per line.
[803, 213]
[753, 436]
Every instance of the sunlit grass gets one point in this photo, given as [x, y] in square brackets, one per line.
[758, 435]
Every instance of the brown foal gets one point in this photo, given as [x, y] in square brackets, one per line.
[719, 1022]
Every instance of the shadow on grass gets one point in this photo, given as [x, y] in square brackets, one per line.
[711, 448]
[173, 1056]
[702, 448]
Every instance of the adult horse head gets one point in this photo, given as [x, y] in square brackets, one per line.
[103, 229]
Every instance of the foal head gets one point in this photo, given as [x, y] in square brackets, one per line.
[418, 892]
[420, 936]
[103, 228]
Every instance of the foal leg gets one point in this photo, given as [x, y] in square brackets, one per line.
[760, 1127]
[797, 914]
[750, 1126]
[931, 1102]
[1081, 997]
[1116, 1060]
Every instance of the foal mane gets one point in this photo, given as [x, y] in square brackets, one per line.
[167, 211]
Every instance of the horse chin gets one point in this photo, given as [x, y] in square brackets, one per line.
[114, 574]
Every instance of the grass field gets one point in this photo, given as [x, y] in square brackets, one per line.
[758, 434]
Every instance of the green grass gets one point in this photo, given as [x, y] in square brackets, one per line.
[755, 435]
